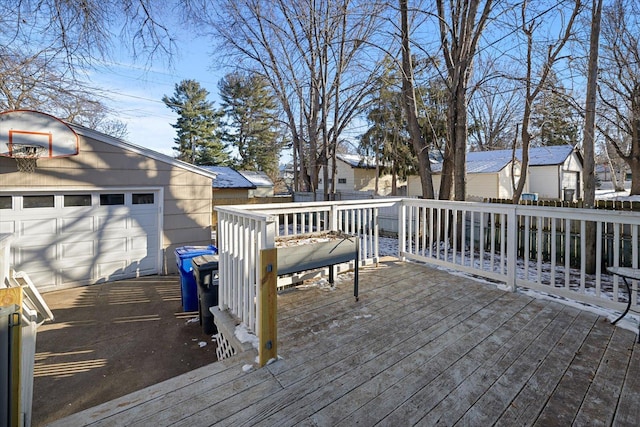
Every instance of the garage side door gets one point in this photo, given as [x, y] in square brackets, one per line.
[71, 239]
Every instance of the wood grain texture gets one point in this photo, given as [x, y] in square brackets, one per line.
[421, 347]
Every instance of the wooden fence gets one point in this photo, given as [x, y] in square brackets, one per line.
[614, 205]
[568, 241]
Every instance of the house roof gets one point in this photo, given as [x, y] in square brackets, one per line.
[99, 136]
[257, 178]
[356, 161]
[227, 177]
[496, 160]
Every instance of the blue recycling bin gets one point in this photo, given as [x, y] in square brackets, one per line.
[188, 286]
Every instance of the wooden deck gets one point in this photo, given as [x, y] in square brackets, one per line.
[420, 347]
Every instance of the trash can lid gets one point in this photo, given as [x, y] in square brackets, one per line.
[204, 262]
[193, 251]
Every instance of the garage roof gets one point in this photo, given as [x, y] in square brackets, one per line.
[227, 177]
[496, 160]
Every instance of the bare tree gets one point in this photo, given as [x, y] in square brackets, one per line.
[47, 45]
[410, 106]
[535, 80]
[493, 108]
[619, 90]
[317, 57]
[461, 23]
[36, 83]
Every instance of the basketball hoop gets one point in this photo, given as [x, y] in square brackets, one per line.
[27, 156]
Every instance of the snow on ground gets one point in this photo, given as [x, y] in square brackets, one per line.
[606, 192]
[388, 246]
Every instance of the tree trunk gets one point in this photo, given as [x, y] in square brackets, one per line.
[589, 137]
[408, 96]
[588, 144]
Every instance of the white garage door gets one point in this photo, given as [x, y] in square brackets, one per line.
[76, 238]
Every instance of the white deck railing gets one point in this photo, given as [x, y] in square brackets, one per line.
[540, 248]
[535, 247]
[247, 229]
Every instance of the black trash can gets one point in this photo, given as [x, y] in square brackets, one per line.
[205, 271]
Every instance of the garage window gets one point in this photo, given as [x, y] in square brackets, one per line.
[77, 200]
[6, 202]
[29, 202]
[342, 180]
[142, 198]
[111, 199]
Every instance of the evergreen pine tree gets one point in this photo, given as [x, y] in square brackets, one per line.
[552, 116]
[198, 140]
[251, 125]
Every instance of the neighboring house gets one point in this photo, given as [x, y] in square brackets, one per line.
[263, 184]
[106, 210]
[488, 176]
[357, 173]
[229, 184]
[555, 172]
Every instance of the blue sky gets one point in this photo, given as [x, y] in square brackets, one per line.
[134, 91]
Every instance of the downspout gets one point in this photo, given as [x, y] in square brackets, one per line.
[560, 192]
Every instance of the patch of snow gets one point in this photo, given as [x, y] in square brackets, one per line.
[607, 192]
[364, 316]
[243, 334]
[247, 368]
[192, 320]
[547, 276]
[202, 344]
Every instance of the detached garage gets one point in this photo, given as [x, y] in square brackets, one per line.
[96, 208]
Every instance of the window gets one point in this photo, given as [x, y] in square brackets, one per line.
[111, 199]
[77, 200]
[142, 198]
[342, 180]
[6, 202]
[29, 202]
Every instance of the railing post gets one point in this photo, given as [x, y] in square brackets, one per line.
[268, 306]
[402, 229]
[512, 246]
[333, 218]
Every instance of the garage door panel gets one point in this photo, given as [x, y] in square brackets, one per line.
[116, 246]
[43, 279]
[109, 223]
[76, 225]
[112, 270]
[32, 251]
[77, 249]
[73, 275]
[142, 243]
[38, 227]
[7, 227]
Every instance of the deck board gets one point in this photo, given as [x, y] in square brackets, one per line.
[420, 347]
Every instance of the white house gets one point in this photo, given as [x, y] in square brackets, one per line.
[96, 208]
[488, 176]
[554, 172]
[358, 173]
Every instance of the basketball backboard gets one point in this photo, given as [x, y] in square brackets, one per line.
[20, 128]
